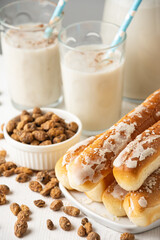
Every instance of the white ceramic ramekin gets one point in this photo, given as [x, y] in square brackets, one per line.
[42, 157]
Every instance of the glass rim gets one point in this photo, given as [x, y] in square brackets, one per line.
[91, 21]
[29, 28]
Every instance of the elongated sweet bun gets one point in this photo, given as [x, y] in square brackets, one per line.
[61, 174]
[96, 193]
[96, 161]
[143, 206]
[113, 198]
[139, 159]
[71, 154]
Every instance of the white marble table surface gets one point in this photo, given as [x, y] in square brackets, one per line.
[21, 194]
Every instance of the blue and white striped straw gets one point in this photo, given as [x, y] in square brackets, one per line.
[119, 36]
[56, 14]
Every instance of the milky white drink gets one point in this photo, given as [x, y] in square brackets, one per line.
[32, 67]
[142, 70]
[92, 90]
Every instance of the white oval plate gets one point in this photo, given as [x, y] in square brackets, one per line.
[98, 212]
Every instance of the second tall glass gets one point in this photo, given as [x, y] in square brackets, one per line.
[92, 79]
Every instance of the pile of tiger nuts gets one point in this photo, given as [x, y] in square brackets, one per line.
[40, 128]
[46, 184]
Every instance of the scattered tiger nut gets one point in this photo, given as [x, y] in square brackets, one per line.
[23, 170]
[2, 168]
[23, 216]
[81, 231]
[43, 177]
[25, 208]
[22, 178]
[3, 153]
[30, 126]
[50, 224]
[59, 138]
[52, 183]
[55, 192]
[11, 125]
[93, 236]
[88, 227]
[35, 186]
[2, 198]
[15, 208]
[72, 211]
[1, 135]
[39, 203]
[4, 189]
[9, 165]
[20, 228]
[45, 192]
[72, 126]
[47, 142]
[2, 127]
[65, 224]
[51, 174]
[26, 137]
[40, 135]
[8, 173]
[84, 221]
[2, 160]
[127, 236]
[56, 205]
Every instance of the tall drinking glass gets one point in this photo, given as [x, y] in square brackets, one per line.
[31, 62]
[142, 71]
[92, 81]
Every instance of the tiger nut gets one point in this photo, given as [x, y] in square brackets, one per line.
[4, 189]
[65, 224]
[15, 208]
[40, 135]
[20, 228]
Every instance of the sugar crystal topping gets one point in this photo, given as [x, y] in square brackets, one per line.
[96, 159]
[158, 114]
[151, 183]
[131, 208]
[135, 151]
[138, 111]
[142, 202]
[71, 151]
[118, 192]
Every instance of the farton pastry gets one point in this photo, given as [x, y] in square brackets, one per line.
[96, 160]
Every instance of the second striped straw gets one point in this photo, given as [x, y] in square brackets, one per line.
[122, 30]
